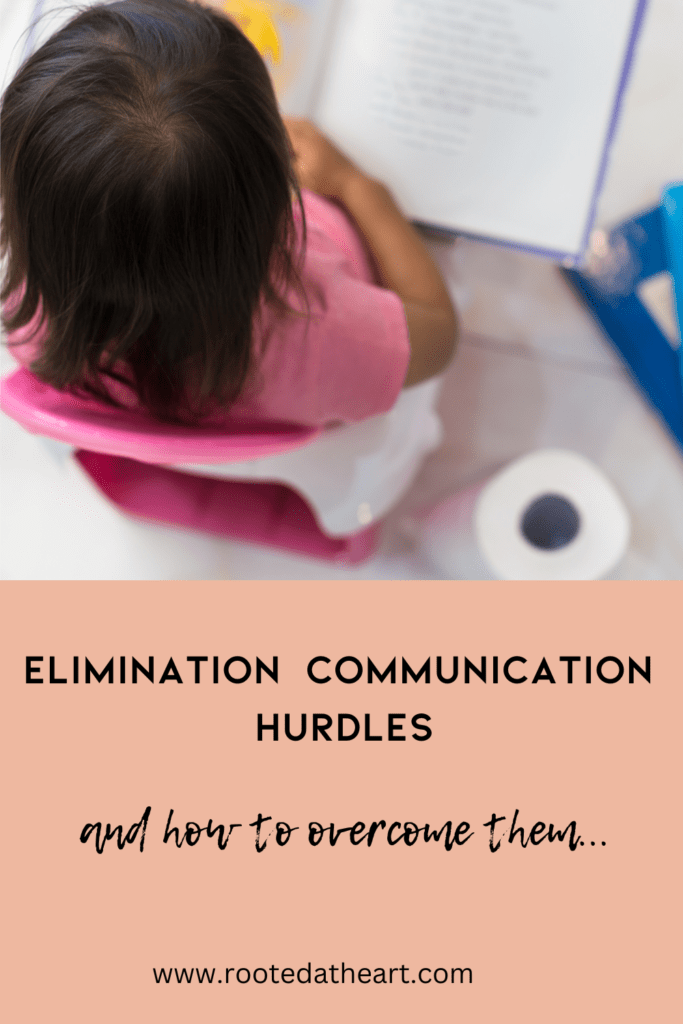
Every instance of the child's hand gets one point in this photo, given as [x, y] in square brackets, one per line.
[318, 164]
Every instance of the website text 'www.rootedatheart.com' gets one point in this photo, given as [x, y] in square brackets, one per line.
[308, 975]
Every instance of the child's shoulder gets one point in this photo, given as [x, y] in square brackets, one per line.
[330, 229]
[348, 359]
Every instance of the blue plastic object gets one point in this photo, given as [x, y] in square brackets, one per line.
[634, 252]
[672, 219]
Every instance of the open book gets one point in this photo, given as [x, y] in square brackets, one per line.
[487, 117]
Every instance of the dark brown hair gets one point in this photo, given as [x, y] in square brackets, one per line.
[147, 203]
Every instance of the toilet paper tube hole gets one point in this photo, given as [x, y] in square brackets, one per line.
[550, 522]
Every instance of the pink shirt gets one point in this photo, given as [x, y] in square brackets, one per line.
[346, 362]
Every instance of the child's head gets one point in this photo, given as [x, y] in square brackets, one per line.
[146, 190]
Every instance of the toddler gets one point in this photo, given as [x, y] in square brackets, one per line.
[172, 244]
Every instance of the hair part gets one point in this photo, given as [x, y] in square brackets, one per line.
[147, 204]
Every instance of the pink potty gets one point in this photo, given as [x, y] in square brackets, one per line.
[128, 455]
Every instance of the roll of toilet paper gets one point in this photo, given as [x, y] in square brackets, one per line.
[551, 515]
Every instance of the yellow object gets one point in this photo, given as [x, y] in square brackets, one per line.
[256, 21]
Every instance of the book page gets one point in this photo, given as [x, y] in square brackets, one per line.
[487, 116]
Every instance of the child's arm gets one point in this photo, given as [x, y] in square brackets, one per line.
[404, 262]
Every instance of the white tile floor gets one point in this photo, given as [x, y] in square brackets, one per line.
[532, 371]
